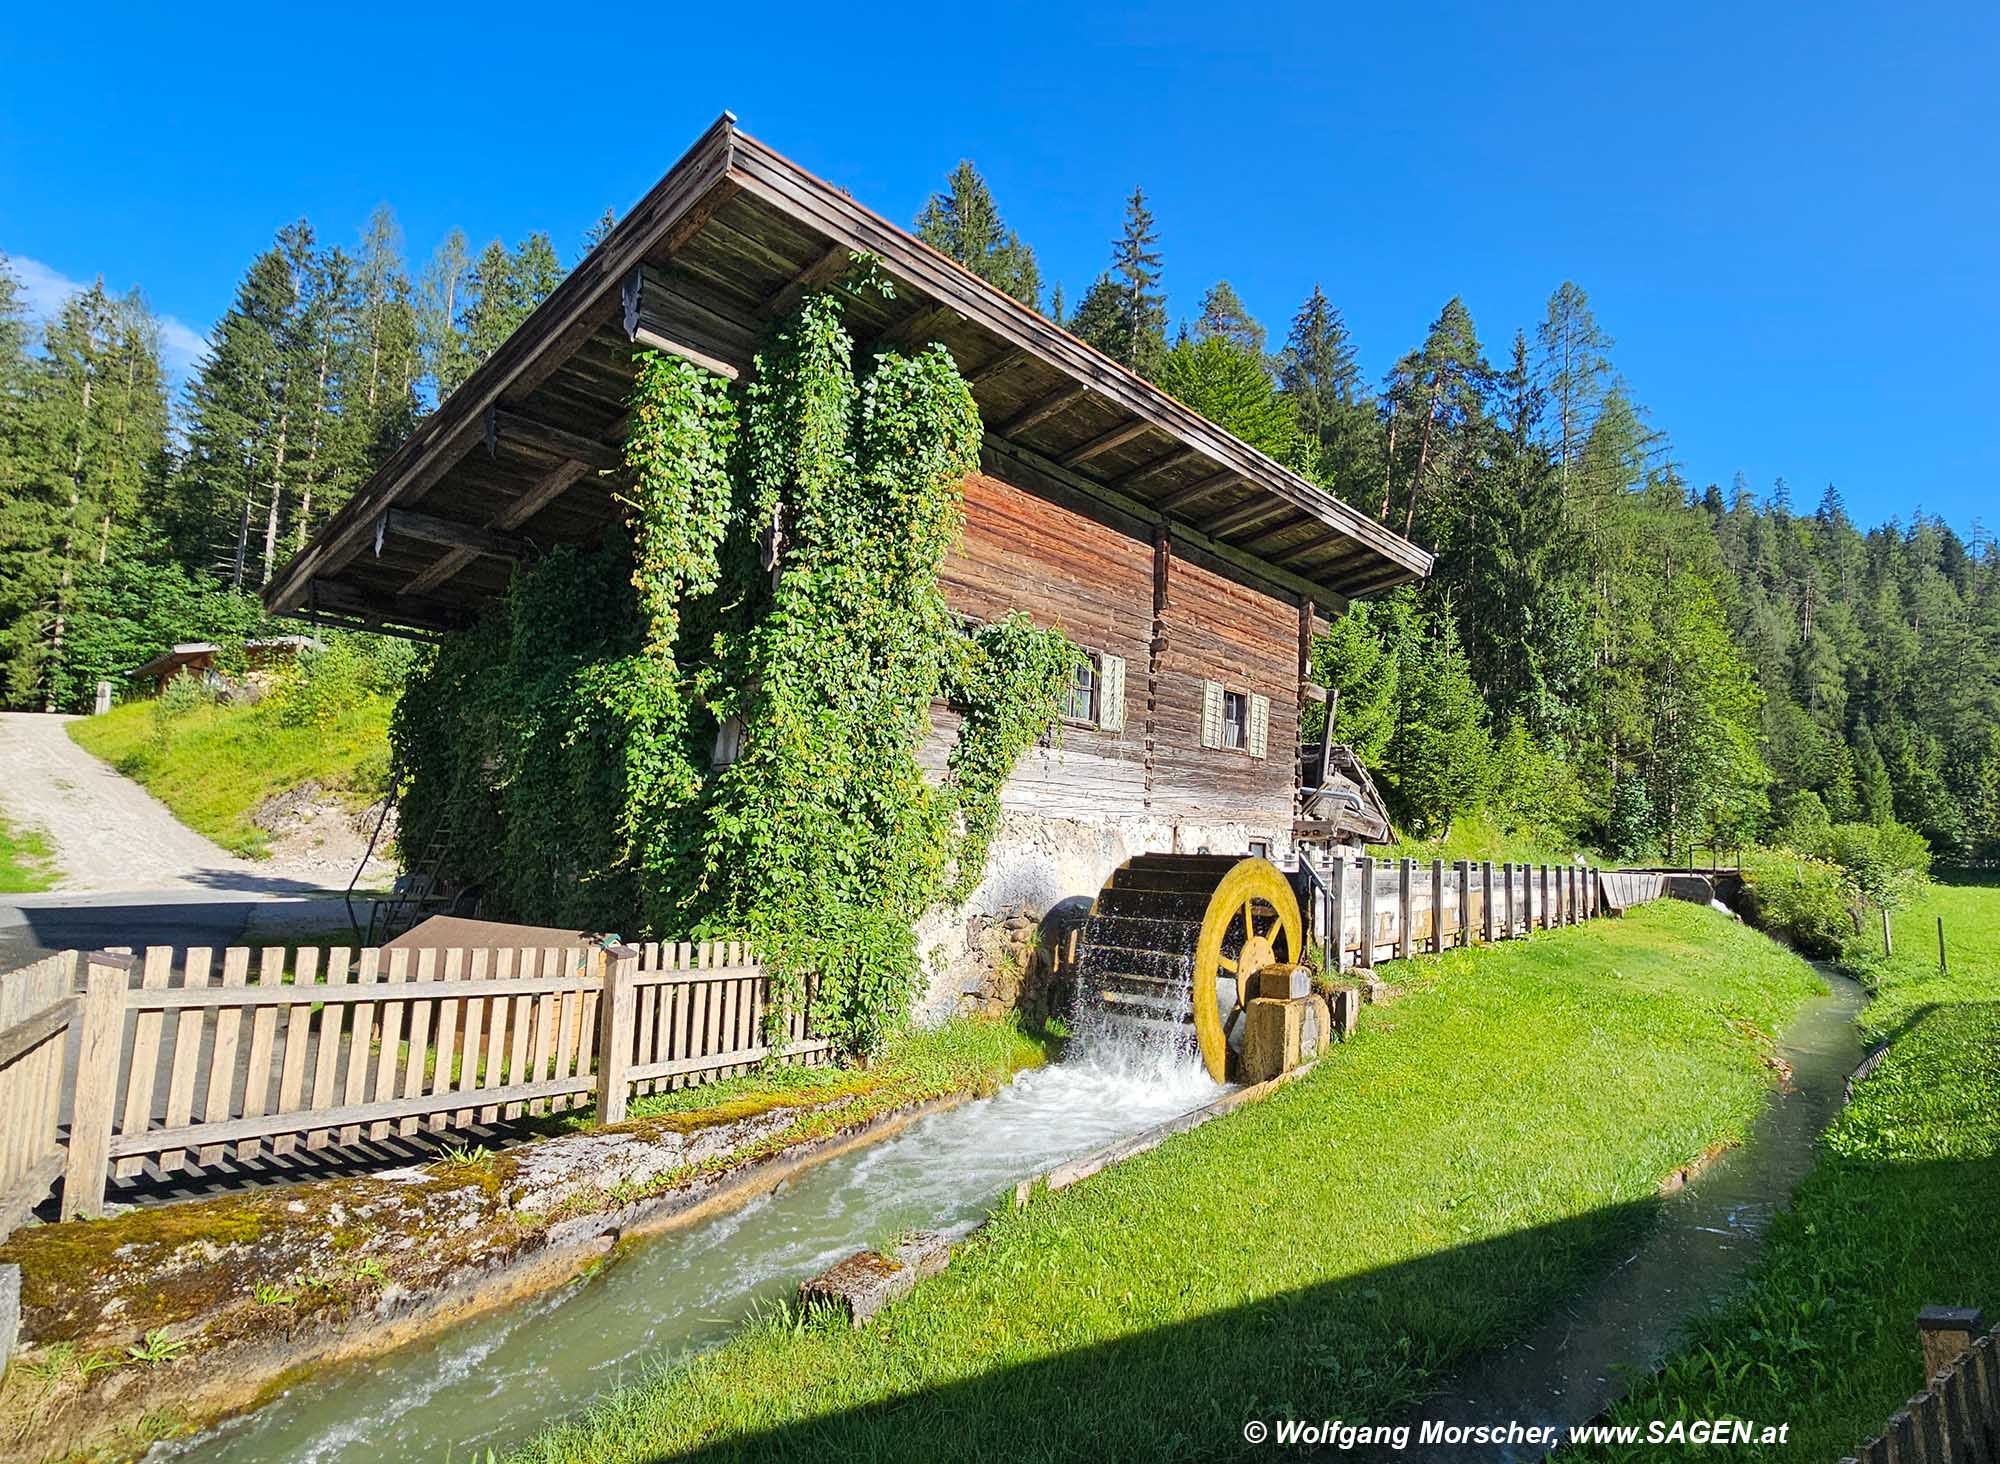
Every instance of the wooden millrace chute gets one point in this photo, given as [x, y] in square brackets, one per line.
[1177, 940]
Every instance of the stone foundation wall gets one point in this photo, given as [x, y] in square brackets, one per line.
[996, 952]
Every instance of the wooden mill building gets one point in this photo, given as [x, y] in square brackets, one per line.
[1188, 564]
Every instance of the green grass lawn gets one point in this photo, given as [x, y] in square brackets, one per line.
[27, 863]
[1486, 1143]
[1897, 1215]
[213, 765]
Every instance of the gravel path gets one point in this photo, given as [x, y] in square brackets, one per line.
[109, 833]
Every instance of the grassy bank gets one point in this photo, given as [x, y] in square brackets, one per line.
[1481, 1147]
[214, 764]
[27, 863]
[1897, 1215]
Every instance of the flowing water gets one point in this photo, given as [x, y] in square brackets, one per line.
[497, 1380]
[1584, 1356]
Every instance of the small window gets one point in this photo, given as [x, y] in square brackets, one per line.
[1260, 848]
[1081, 704]
[1235, 720]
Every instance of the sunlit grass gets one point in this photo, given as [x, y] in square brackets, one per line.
[213, 765]
[1484, 1145]
[27, 863]
[1897, 1215]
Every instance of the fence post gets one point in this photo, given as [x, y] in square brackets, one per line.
[1946, 1332]
[1486, 900]
[1405, 878]
[1545, 897]
[1507, 891]
[618, 965]
[1364, 956]
[106, 977]
[1437, 906]
[1464, 872]
[1336, 915]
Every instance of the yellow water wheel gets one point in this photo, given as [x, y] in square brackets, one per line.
[1176, 941]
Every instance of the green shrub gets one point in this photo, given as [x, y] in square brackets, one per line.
[1802, 900]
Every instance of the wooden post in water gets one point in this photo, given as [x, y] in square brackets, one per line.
[103, 1021]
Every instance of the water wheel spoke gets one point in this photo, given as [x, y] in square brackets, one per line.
[1227, 963]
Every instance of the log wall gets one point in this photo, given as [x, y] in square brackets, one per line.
[1175, 624]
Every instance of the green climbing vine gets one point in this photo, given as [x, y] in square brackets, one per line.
[778, 577]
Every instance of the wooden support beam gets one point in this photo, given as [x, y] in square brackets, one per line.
[1005, 361]
[1291, 525]
[1310, 547]
[430, 529]
[827, 267]
[375, 611]
[1039, 412]
[1255, 511]
[551, 486]
[504, 427]
[1180, 498]
[1160, 464]
[920, 329]
[651, 320]
[1104, 442]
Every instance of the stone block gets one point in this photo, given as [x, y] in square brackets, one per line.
[867, 1281]
[1271, 1037]
[1284, 983]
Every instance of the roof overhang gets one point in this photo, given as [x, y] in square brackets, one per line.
[513, 462]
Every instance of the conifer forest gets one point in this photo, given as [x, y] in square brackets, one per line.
[1607, 653]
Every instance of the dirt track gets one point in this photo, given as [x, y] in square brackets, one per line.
[109, 833]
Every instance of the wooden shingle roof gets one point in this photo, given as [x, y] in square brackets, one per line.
[511, 463]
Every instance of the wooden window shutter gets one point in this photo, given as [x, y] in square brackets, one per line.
[1111, 693]
[1260, 725]
[1211, 714]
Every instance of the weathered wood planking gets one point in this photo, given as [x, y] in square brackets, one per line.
[37, 1008]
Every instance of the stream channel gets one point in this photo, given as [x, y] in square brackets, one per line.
[500, 1379]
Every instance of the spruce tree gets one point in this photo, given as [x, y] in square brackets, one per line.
[1224, 315]
[1124, 314]
[964, 223]
[1319, 375]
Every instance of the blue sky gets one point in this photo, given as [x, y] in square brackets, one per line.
[1786, 215]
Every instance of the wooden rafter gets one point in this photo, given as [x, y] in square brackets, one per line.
[1005, 361]
[1173, 459]
[1311, 547]
[1255, 511]
[1039, 412]
[1291, 525]
[453, 534]
[1180, 498]
[558, 442]
[824, 268]
[546, 490]
[1117, 437]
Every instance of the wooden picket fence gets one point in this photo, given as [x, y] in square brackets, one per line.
[1956, 1418]
[1388, 909]
[189, 1058]
[37, 1005]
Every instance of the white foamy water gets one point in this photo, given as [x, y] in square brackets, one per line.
[498, 1380]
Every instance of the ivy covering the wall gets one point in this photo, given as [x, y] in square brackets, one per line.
[560, 753]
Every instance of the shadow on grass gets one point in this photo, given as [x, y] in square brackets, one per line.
[1363, 1349]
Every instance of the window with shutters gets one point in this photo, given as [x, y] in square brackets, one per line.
[1235, 720]
[1081, 704]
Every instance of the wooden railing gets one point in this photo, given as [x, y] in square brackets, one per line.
[186, 1059]
[1956, 1418]
[1392, 909]
[36, 1009]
